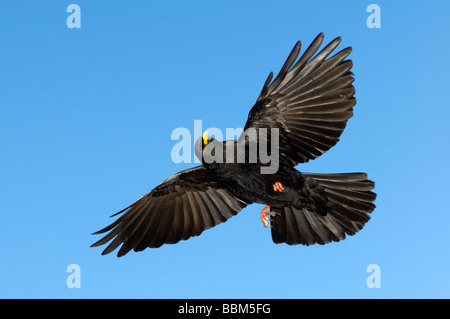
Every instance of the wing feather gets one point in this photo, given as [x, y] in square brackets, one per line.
[309, 101]
[181, 207]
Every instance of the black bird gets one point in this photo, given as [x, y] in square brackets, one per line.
[307, 105]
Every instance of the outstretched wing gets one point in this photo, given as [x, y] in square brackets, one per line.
[182, 206]
[309, 101]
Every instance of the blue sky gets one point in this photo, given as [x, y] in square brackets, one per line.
[86, 117]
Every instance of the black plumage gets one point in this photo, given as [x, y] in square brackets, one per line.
[308, 103]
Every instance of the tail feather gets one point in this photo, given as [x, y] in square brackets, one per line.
[349, 204]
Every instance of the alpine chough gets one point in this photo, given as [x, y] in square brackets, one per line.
[307, 104]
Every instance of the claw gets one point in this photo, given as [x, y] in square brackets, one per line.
[277, 186]
[264, 218]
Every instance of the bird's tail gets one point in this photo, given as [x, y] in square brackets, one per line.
[349, 203]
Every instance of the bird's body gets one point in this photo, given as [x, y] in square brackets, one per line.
[297, 117]
[244, 179]
[247, 183]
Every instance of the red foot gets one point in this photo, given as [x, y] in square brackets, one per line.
[264, 217]
[278, 187]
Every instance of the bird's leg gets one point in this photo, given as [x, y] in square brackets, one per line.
[277, 186]
[264, 217]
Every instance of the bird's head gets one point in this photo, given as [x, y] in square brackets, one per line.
[204, 145]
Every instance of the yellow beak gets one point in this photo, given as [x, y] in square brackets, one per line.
[205, 137]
